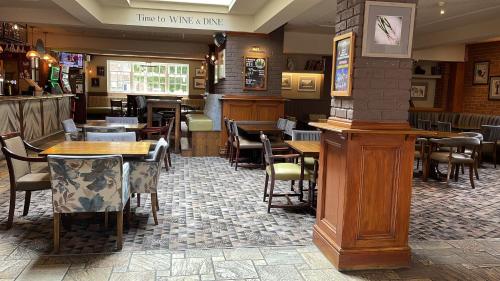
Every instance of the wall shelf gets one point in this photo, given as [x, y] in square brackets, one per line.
[424, 76]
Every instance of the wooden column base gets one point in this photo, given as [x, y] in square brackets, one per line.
[361, 259]
[364, 196]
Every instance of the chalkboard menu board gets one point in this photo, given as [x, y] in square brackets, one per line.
[13, 32]
[255, 74]
[343, 56]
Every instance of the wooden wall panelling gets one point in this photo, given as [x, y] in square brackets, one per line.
[205, 143]
[456, 92]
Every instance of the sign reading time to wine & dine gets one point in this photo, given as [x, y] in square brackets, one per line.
[180, 20]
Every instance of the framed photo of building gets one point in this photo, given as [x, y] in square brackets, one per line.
[388, 29]
[198, 83]
[481, 73]
[306, 84]
[286, 81]
[419, 91]
[343, 57]
[494, 93]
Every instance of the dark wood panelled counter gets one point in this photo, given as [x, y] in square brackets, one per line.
[35, 117]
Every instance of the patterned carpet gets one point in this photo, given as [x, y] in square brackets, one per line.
[204, 203]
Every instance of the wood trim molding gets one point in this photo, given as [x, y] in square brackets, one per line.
[253, 97]
[368, 125]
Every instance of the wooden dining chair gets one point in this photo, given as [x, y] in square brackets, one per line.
[424, 124]
[89, 184]
[241, 143]
[229, 141]
[456, 156]
[116, 107]
[443, 126]
[22, 177]
[491, 141]
[286, 171]
[145, 175]
[164, 131]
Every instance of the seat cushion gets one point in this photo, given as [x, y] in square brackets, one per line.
[457, 158]
[248, 144]
[34, 181]
[309, 162]
[287, 171]
[199, 123]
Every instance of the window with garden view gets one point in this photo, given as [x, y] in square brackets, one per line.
[142, 77]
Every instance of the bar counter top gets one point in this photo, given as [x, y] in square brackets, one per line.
[22, 98]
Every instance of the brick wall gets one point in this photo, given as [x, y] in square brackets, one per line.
[239, 45]
[381, 86]
[475, 98]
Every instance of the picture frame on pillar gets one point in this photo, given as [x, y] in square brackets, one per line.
[343, 58]
[388, 29]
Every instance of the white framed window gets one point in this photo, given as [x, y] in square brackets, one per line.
[142, 77]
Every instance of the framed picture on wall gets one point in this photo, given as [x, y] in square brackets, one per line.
[94, 82]
[200, 72]
[221, 61]
[388, 29]
[494, 93]
[343, 57]
[306, 84]
[481, 73]
[286, 81]
[100, 71]
[419, 91]
[198, 83]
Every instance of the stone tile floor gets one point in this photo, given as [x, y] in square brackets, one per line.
[431, 260]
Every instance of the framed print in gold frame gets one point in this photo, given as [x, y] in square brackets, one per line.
[343, 58]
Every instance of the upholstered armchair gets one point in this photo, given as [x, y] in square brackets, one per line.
[22, 177]
[91, 184]
[122, 120]
[491, 141]
[71, 132]
[281, 171]
[120, 137]
[144, 175]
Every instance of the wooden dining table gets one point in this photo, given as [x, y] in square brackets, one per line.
[306, 149]
[103, 123]
[87, 148]
[254, 129]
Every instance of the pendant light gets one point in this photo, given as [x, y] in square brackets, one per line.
[32, 53]
[46, 56]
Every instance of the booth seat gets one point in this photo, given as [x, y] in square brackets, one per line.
[199, 123]
[459, 120]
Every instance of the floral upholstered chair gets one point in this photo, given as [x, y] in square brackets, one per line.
[144, 175]
[89, 184]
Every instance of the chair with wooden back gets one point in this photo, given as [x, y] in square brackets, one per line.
[89, 184]
[443, 126]
[229, 141]
[456, 156]
[22, 177]
[287, 171]
[491, 141]
[145, 175]
[241, 143]
[424, 124]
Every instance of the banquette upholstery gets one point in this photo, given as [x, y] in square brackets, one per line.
[458, 120]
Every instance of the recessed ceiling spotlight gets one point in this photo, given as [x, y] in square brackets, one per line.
[441, 6]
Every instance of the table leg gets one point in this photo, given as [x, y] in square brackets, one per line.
[301, 181]
[177, 129]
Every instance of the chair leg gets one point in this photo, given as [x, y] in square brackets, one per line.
[157, 202]
[463, 169]
[154, 207]
[271, 190]
[138, 199]
[450, 167]
[495, 156]
[418, 163]
[57, 223]
[106, 219]
[237, 158]
[27, 199]
[166, 162]
[476, 170]
[12, 207]
[231, 155]
[265, 187]
[169, 157]
[471, 175]
[119, 230]
[457, 167]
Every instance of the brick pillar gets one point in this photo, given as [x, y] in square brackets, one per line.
[381, 86]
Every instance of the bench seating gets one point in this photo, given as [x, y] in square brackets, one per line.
[98, 105]
[459, 120]
[199, 123]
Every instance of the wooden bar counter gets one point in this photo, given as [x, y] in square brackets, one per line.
[364, 196]
[35, 117]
